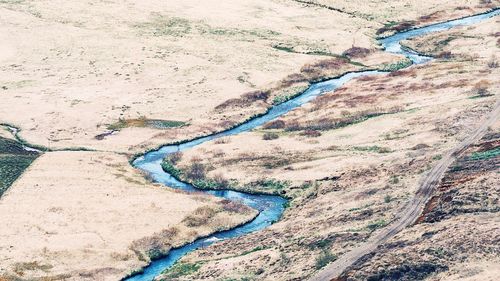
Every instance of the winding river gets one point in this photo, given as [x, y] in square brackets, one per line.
[270, 207]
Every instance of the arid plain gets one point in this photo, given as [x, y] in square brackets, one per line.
[93, 84]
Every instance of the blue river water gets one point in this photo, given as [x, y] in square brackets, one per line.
[270, 207]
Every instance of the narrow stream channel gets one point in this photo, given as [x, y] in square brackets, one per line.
[270, 207]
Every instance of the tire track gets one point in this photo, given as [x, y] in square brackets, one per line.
[414, 208]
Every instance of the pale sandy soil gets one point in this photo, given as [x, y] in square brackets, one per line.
[411, 10]
[70, 68]
[379, 163]
[81, 216]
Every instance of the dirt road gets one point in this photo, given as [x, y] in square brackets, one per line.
[414, 208]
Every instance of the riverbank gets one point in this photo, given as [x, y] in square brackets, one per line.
[441, 105]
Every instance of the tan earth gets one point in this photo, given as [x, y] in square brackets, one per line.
[347, 181]
[70, 68]
[73, 71]
[84, 216]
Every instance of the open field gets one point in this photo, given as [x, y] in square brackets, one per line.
[350, 161]
[123, 77]
[96, 62]
[90, 216]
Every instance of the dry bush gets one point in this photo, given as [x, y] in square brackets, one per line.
[311, 133]
[481, 88]
[226, 124]
[270, 136]
[493, 63]
[196, 170]
[200, 216]
[322, 101]
[245, 100]
[356, 52]
[411, 72]
[315, 70]
[234, 207]
[154, 246]
[277, 124]
[446, 55]
[397, 27]
[221, 181]
[222, 140]
[367, 78]
[255, 96]
[292, 79]
[218, 153]
[324, 124]
[427, 18]
[175, 157]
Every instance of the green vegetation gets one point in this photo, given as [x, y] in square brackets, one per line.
[394, 180]
[484, 155]
[256, 249]
[14, 159]
[170, 168]
[324, 258]
[272, 184]
[376, 224]
[180, 269]
[373, 148]
[396, 66]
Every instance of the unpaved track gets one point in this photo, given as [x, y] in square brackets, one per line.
[414, 208]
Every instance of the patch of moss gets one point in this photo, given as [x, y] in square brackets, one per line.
[484, 155]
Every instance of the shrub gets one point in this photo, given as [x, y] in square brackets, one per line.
[493, 63]
[221, 181]
[481, 88]
[356, 52]
[234, 207]
[256, 95]
[324, 258]
[277, 124]
[223, 140]
[395, 26]
[196, 171]
[169, 167]
[270, 136]
[444, 55]
[292, 79]
[311, 133]
[180, 269]
[175, 157]
[272, 184]
[376, 225]
[200, 216]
